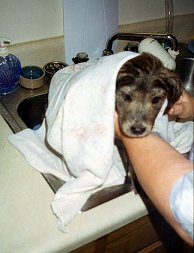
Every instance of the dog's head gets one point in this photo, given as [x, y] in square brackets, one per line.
[143, 84]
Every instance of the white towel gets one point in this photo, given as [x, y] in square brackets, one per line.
[177, 134]
[79, 131]
[79, 126]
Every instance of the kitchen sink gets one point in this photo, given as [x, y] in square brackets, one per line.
[31, 111]
[26, 109]
[185, 69]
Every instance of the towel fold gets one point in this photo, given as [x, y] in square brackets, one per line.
[177, 134]
[76, 139]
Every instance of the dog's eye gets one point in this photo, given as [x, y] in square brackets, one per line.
[127, 97]
[155, 100]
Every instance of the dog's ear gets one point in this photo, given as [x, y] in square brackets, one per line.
[174, 87]
[134, 69]
[125, 75]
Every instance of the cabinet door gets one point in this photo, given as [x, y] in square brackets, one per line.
[156, 247]
[149, 234]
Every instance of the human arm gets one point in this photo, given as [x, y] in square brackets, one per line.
[157, 166]
[184, 107]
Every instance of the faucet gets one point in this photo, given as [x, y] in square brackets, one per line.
[138, 37]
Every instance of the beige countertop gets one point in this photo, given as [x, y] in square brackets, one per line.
[27, 224]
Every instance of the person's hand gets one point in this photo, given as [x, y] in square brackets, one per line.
[184, 107]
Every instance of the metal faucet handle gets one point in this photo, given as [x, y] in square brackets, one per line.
[139, 37]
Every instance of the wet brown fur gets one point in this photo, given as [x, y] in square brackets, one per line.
[143, 83]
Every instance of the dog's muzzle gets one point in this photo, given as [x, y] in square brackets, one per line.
[137, 129]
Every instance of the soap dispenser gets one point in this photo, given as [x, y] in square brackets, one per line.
[10, 69]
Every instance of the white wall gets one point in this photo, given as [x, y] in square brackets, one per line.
[29, 20]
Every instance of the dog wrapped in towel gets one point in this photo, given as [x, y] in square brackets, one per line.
[76, 139]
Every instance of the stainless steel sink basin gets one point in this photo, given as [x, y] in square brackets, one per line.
[26, 108]
[185, 69]
[32, 110]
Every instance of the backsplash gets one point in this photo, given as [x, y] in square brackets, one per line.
[52, 49]
[39, 52]
[183, 28]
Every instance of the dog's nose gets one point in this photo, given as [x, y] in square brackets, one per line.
[137, 130]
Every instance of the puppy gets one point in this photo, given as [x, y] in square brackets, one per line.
[143, 83]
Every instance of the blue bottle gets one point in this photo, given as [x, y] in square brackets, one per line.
[10, 69]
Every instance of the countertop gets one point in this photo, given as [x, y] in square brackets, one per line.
[27, 224]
